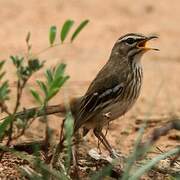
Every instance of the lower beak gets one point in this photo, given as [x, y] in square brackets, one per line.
[142, 44]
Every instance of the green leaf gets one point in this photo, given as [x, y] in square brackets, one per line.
[65, 29]
[49, 76]
[4, 125]
[43, 87]
[52, 93]
[13, 59]
[55, 87]
[135, 153]
[69, 128]
[58, 82]
[1, 64]
[2, 75]
[79, 29]
[4, 91]
[63, 80]
[69, 125]
[52, 34]
[35, 64]
[17, 61]
[36, 96]
[59, 71]
[28, 36]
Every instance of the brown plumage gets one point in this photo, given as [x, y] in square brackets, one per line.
[114, 90]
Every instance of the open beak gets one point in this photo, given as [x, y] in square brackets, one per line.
[142, 44]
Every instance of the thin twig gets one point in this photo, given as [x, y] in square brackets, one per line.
[59, 146]
[18, 98]
[47, 133]
[47, 48]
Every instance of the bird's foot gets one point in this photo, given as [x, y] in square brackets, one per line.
[115, 155]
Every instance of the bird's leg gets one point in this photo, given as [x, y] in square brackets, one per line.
[98, 133]
[98, 145]
[113, 153]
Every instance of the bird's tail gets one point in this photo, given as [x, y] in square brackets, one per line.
[38, 111]
[59, 109]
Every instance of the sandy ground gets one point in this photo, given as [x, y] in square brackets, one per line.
[85, 57]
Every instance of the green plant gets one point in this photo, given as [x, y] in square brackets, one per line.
[26, 66]
[13, 127]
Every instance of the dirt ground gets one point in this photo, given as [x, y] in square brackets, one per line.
[108, 21]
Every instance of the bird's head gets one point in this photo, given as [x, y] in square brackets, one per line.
[133, 45]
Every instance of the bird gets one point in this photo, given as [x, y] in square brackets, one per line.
[112, 93]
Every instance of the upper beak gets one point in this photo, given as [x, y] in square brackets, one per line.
[142, 44]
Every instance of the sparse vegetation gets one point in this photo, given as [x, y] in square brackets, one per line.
[45, 162]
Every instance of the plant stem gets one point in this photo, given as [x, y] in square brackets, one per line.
[59, 146]
[47, 133]
[47, 48]
[18, 98]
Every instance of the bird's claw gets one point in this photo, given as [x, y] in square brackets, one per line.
[115, 155]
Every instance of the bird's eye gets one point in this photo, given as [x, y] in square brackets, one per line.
[130, 40]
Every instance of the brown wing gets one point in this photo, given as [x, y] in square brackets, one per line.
[102, 91]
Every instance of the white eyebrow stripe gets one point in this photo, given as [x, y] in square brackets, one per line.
[126, 37]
